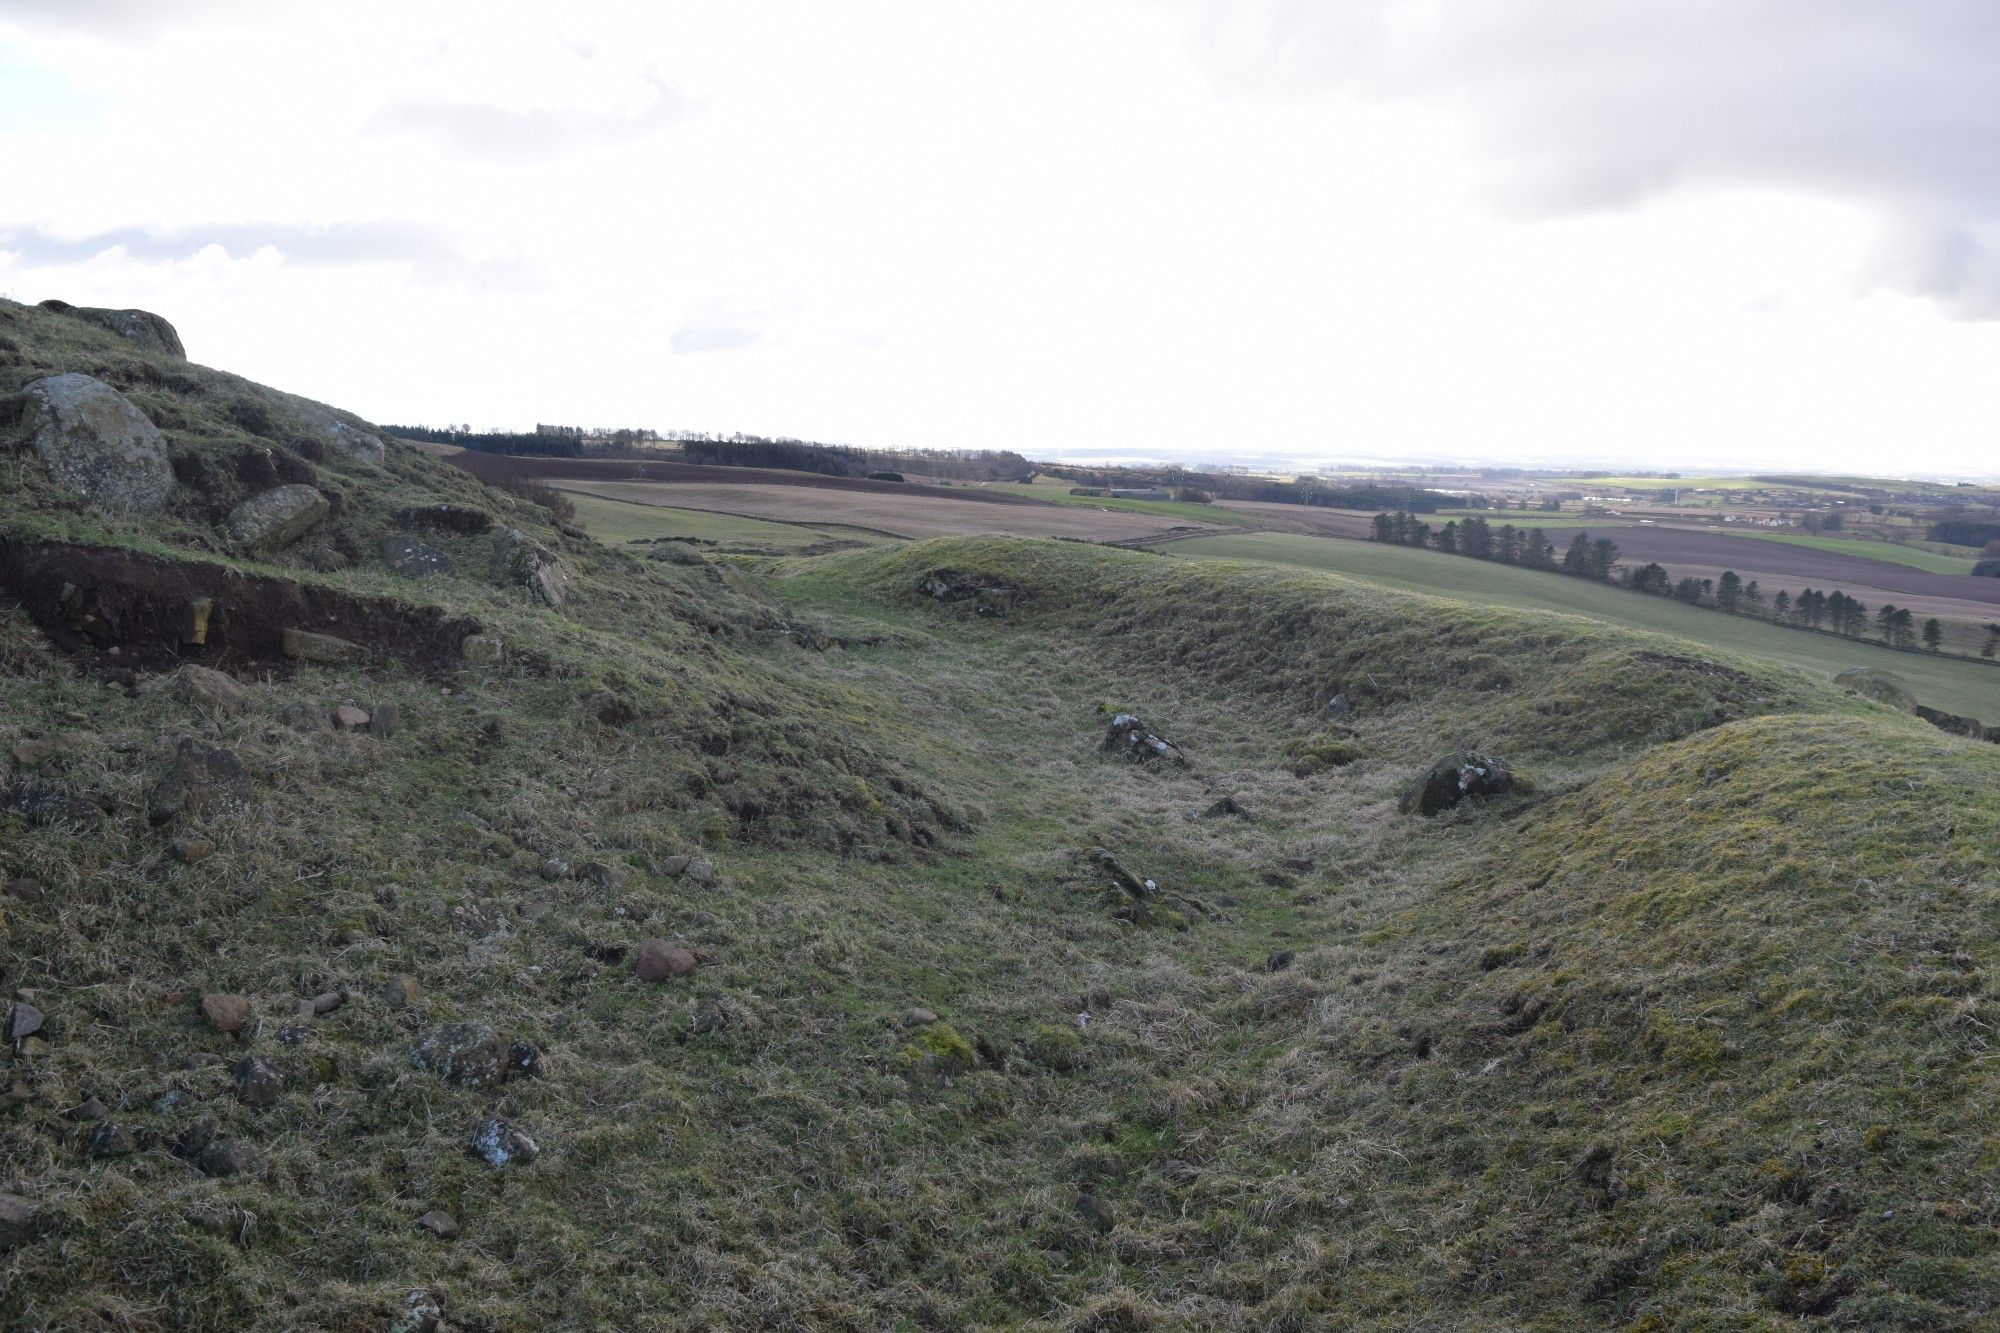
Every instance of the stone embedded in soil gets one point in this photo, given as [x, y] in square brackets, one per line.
[1095, 1212]
[497, 1143]
[29, 754]
[675, 866]
[201, 687]
[401, 991]
[524, 1060]
[95, 443]
[1227, 806]
[421, 1313]
[659, 960]
[349, 718]
[21, 1220]
[200, 779]
[191, 848]
[466, 1055]
[701, 870]
[920, 1017]
[258, 1081]
[225, 1157]
[383, 719]
[112, 1141]
[1278, 961]
[275, 518]
[226, 1013]
[90, 1109]
[304, 645]
[1465, 775]
[413, 558]
[325, 1003]
[23, 1021]
[438, 1224]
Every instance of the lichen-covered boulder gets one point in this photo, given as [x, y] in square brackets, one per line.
[1131, 738]
[339, 437]
[465, 1055]
[141, 327]
[1884, 687]
[519, 558]
[1464, 775]
[95, 443]
[273, 519]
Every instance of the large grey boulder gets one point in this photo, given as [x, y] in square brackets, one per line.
[142, 327]
[521, 559]
[339, 437]
[1460, 776]
[95, 443]
[275, 518]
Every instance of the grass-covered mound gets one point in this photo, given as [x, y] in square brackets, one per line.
[772, 905]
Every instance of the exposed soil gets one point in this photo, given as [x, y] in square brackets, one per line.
[497, 468]
[91, 599]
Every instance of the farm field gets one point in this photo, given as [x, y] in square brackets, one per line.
[617, 522]
[891, 514]
[1186, 513]
[1957, 686]
[1868, 549]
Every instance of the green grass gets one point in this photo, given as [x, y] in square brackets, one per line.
[1865, 548]
[1187, 513]
[1957, 686]
[618, 522]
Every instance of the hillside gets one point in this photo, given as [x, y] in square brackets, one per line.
[672, 940]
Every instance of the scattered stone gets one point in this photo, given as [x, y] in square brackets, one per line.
[304, 645]
[226, 1157]
[1279, 960]
[1228, 806]
[482, 649]
[258, 1081]
[44, 806]
[414, 559]
[349, 718]
[401, 991]
[700, 869]
[383, 720]
[554, 868]
[1095, 1212]
[200, 779]
[110, 1140]
[496, 1143]
[23, 1022]
[1300, 864]
[438, 1224]
[97, 444]
[524, 1060]
[607, 875]
[32, 753]
[675, 866]
[1141, 890]
[1455, 778]
[304, 717]
[226, 1013]
[201, 687]
[421, 1313]
[91, 1109]
[1132, 738]
[294, 1034]
[20, 1221]
[218, 1220]
[319, 1006]
[659, 961]
[1338, 707]
[191, 848]
[521, 559]
[465, 1055]
[920, 1017]
[274, 519]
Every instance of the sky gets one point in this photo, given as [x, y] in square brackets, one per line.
[1638, 233]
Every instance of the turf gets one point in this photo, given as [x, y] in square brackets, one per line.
[1956, 686]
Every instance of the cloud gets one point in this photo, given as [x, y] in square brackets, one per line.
[693, 338]
[431, 252]
[1570, 108]
[483, 130]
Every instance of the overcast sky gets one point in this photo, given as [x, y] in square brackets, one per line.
[1673, 232]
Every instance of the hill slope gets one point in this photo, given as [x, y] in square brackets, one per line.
[1691, 1034]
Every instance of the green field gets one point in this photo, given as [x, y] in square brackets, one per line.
[1957, 686]
[1865, 548]
[1058, 493]
[617, 522]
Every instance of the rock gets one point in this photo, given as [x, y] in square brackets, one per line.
[402, 991]
[465, 1055]
[226, 1157]
[1338, 708]
[1883, 686]
[201, 687]
[142, 328]
[191, 848]
[1141, 890]
[45, 806]
[608, 875]
[258, 1081]
[524, 1060]
[519, 558]
[421, 1313]
[200, 779]
[226, 1013]
[1095, 1212]
[1455, 778]
[109, 1140]
[1228, 806]
[467, 519]
[1132, 738]
[482, 649]
[96, 444]
[30, 891]
[383, 719]
[274, 519]
[23, 1022]
[1970, 727]
[438, 1224]
[34, 753]
[20, 1221]
[319, 1006]
[700, 869]
[304, 645]
[349, 718]
[414, 559]
[338, 436]
[91, 1109]
[675, 866]
[496, 1143]
[1279, 960]
[659, 961]
[304, 717]
[989, 596]
[920, 1017]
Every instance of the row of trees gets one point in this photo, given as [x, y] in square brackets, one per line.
[494, 441]
[1596, 558]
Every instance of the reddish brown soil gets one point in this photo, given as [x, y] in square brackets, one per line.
[507, 467]
[90, 599]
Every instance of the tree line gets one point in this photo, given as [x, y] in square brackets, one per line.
[1596, 558]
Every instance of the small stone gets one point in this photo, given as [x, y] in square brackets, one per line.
[91, 1110]
[524, 1060]
[225, 1157]
[920, 1017]
[701, 870]
[258, 1081]
[674, 866]
[466, 1055]
[659, 960]
[304, 717]
[226, 1013]
[349, 718]
[1095, 1212]
[191, 848]
[554, 868]
[201, 687]
[326, 1002]
[421, 1313]
[303, 645]
[382, 722]
[294, 1034]
[112, 1141]
[23, 1021]
[1278, 961]
[604, 874]
[402, 991]
[20, 1221]
[496, 1143]
[274, 518]
[30, 753]
[438, 1224]
[200, 779]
